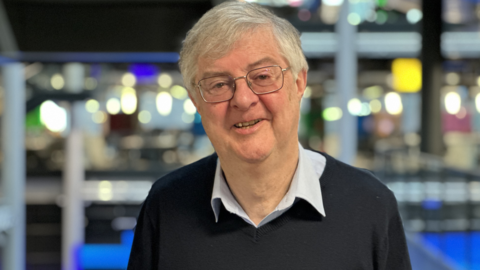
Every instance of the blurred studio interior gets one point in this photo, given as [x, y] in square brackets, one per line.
[93, 110]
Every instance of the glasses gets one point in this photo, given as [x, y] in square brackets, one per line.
[261, 81]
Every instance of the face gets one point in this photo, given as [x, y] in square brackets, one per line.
[275, 115]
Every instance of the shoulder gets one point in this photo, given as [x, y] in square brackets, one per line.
[191, 180]
[356, 185]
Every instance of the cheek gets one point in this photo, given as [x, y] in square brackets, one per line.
[213, 115]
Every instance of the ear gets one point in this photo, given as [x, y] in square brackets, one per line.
[301, 83]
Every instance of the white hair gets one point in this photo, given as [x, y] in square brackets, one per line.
[214, 35]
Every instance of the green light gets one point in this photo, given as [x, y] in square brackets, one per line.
[32, 119]
[332, 114]
[381, 3]
[382, 17]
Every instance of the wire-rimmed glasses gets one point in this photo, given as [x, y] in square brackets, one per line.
[261, 81]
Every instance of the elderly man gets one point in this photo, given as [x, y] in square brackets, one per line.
[261, 201]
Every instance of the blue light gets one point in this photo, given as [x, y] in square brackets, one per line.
[197, 127]
[431, 204]
[99, 57]
[106, 256]
[145, 73]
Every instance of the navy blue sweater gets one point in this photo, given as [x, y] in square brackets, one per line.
[362, 229]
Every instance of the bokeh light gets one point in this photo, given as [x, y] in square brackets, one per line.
[99, 117]
[477, 102]
[453, 102]
[90, 83]
[57, 81]
[92, 105]
[393, 103]
[164, 103]
[354, 19]
[414, 15]
[308, 92]
[128, 100]
[179, 92]
[382, 17]
[188, 118]
[332, 2]
[129, 80]
[165, 80]
[452, 78]
[354, 106]
[53, 116]
[332, 114]
[144, 117]
[105, 192]
[188, 107]
[375, 106]
[113, 106]
[304, 15]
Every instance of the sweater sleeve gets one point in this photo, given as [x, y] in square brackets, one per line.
[396, 255]
[144, 254]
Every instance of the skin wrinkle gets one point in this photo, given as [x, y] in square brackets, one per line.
[258, 166]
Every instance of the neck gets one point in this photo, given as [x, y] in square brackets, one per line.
[259, 187]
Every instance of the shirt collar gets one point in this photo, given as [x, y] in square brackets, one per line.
[305, 185]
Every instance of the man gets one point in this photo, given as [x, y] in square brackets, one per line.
[261, 201]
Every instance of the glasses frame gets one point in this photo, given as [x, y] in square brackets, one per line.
[246, 80]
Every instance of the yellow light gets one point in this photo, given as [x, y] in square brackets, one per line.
[393, 103]
[105, 191]
[53, 116]
[165, 80]
[373, 92]
[354, 106]
[308, 92]
[375, 106]
[144, 117]
[407, 75]
[188, 107]
[332, 114]
[477, 102]
[164, 103]
[354, 19]
[453, 102]
[90, 83]
[113, 106]
[452, 78]
[128, 100]
[57, 81]
[92, 106]
[129, 80]
[179, 92]
[99, 117]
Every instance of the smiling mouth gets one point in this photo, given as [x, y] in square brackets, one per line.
[247, 124]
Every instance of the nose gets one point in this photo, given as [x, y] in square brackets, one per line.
[244, 97]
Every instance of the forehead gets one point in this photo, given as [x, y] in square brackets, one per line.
[253, 49]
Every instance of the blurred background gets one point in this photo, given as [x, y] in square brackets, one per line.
[93, 110]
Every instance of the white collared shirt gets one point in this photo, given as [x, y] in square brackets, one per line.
[305, 185]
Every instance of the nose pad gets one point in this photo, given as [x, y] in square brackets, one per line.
[249, 84]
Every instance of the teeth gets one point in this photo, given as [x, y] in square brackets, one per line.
[247, 124]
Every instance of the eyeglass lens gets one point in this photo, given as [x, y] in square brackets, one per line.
[261, 81]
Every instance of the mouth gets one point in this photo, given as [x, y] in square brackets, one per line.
[248, 124]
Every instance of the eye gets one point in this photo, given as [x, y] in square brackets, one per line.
[262, 77]
[218, 85]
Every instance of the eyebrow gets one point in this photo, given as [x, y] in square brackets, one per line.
[262, 61]
[249, 67]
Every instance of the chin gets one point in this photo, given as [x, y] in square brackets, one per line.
[254, 155]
